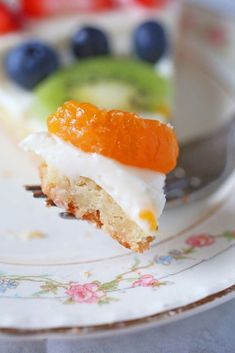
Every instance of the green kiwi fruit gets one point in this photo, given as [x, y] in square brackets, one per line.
[110, 83]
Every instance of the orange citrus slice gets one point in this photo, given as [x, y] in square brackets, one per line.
[119, 135]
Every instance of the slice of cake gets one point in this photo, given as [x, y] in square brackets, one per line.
[107, 167]
[53, 59]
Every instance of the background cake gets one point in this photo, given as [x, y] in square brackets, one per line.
[119, 23]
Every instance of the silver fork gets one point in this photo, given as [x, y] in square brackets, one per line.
[203, 165]
[38, 193]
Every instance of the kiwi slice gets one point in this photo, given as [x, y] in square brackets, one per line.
[109, 83]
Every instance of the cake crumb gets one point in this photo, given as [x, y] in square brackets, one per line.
[87, 274]
[35, 234]
[6, 174]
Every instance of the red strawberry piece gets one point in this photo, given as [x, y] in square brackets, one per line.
[42, 8]
[151, 3]
[8, 20]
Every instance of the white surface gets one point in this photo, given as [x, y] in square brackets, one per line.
[202, 105]
[204, 74]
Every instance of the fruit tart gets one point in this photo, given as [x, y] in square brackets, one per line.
[101, 58]
[107, 167]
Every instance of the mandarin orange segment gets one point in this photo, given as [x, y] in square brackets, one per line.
[119, 135]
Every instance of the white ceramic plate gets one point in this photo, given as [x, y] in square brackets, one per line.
[60, 276]
[65, 277]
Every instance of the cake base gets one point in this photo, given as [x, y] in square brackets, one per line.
[88, 201]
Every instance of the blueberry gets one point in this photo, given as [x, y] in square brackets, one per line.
[90, 41]
[30, 62]
[150, 41]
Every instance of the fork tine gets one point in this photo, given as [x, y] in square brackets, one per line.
[33, 187]
[66, 215]
[36, 190]
[38, 194]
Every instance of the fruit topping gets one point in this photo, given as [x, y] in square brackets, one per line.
[151, 3]
[42, 8]
[31, 62]
[8, 20]
[116, 134]
[90, 41]
[150, 41]
[108, 82]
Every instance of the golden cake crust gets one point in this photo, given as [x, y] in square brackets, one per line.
[88, 201]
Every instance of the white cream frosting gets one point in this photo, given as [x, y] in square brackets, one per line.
[134, 189]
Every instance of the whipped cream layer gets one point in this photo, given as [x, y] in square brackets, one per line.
[134, 189]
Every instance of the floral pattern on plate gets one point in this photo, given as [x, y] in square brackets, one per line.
[96, 292]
